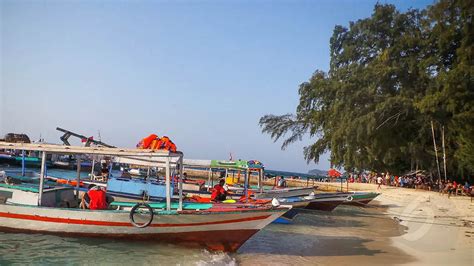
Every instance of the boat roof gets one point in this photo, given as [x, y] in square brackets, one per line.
[143, 157]
[239, 164]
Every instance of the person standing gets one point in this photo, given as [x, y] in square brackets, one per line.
[379, 182]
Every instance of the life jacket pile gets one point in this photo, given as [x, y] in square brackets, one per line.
[154, 142]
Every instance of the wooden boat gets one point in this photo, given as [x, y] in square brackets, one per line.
[327, 202]
[246, 169]
[86, 166]
[52, 209]
[361, 198]
[28, 161]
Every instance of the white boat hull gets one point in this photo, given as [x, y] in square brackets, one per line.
[212, 229]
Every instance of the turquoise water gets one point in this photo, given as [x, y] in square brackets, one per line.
[344, 236]
[46, 249]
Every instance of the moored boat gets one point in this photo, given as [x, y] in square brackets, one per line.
[327, 201]
[361, 198]
[50, 209]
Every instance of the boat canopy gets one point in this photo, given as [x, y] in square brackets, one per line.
[153, 158]
[237, 165]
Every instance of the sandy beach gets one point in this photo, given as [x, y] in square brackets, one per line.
[438, 230]
[402, 226]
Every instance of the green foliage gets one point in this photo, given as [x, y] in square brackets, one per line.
[390, 75]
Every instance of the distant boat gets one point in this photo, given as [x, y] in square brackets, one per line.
[12, 159]
[86, 166]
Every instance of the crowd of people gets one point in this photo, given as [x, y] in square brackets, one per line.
[416, 180]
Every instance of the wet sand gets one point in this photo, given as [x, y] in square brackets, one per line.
[402, 226]
[440, 230]
[346, 235]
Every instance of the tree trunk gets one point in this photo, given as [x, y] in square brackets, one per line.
[435, 149]
[444, 154]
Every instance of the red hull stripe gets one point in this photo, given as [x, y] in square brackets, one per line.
[106, 223]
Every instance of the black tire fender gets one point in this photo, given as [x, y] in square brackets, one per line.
[134, 209]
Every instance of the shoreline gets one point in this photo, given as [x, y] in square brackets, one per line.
[401, 226]
[440, 230]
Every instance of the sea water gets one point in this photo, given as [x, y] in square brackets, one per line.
[347, 235]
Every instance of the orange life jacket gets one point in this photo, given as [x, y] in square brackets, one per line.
[167, 144]
[172, 147]
[97, 199]
[155, 144]
[145, 143]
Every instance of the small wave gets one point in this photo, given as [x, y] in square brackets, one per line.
[216, 258]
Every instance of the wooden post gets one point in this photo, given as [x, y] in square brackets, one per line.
[444, 154]
[93, 165]
[78, 177]
[436, 150]
[180, 184]
[22, 162]
[43, 168]
[212, 179]
[110, 169]
[209, 178]
[259, 181]
[246, 185]
[168, 186]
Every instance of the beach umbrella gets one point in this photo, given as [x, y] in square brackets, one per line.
[334, 173]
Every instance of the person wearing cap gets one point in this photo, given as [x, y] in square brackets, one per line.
[219, 192]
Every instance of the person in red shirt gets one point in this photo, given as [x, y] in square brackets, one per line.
[218, 192]
[96, 198]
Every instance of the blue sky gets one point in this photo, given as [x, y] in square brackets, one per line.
[200, 72]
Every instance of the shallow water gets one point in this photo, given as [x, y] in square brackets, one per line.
[347, 235]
